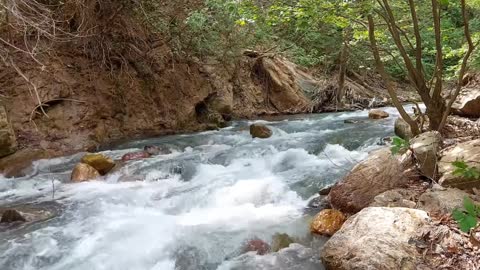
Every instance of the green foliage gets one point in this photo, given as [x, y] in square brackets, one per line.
[462, 169]
[467, 218]
[399, 145]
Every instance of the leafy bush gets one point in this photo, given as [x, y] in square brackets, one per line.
[399, 145]
[467, 218]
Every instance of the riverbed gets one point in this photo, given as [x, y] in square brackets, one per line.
[195, 208]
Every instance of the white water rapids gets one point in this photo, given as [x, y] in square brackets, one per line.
[192, 209]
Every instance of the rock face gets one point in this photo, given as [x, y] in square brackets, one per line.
[376, 238]
[467, 103]
[135, 156]
[402, 129]
[12, 215]
[467, 151]
[425, 148]
[377, 114]
[327, 222]
[260, 131]
[8, 142]
[100, 162]
[380, 172]
[84, 172]
[395, 198]
[281, 241]
[441, 201]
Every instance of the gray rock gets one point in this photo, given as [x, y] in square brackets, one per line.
[8, 142]
[441, 202]
[467, 103]
[281, 241]
[425, 148]
[395, 198]
[402, 129]
[376, 238]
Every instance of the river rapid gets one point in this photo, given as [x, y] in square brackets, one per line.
[192, 209]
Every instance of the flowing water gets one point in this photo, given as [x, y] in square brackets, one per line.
[192, 209]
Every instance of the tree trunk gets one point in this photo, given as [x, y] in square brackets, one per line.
[343, 67]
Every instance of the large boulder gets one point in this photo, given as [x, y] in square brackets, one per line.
[402, 129]
[425, 148]
[260, 131]
[19, 164]
[84, 172]
[441, 201]
[101, 163]
[327, 222]
[377, 114]
[380, 172]
[376, 238]
[467, 151]
[8, 142]
[467, 103]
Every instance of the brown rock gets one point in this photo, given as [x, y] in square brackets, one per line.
[84, 172]
[380, 172]
[135, 156]
[327, 222]
[395, 198]
[8, 141]
[12, 215]
[377, 114]
[425, 148]
[257, 245]
[19, 164]
[260, 131]
[467, 103]
[157, 150]
[100, 162]
[442, 201]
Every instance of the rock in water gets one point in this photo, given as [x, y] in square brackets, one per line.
[376, 238]
[281, 241]
[402, 129]
[257, 245]
[377, 114]
[12, 215]
[380, 172]
[135, 156]
[468, 103]
[84, 172]
[157, 150]
[327, 222]
[260, 131]
[425, 148]
[100, 162]
[8, 142]
[470, 153]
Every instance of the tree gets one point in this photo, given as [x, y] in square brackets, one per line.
[431, 90]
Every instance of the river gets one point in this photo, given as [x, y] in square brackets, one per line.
[192, 209]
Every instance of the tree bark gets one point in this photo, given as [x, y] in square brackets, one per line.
[381, 69]
[343, 67]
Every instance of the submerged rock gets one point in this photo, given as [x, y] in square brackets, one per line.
[84, 172]
[12, 215]
[257, 245]
[325, 190]
[376, 238]
[327, 222]
[260, 131]
[402, 129]
[467, 103]
[100, 162]
[135, 156]
[157, 150]
[281, 241]
[380, 172]
[377, 114]
[353, 121]
[469, 152]
[425, 148]
[8, 141]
